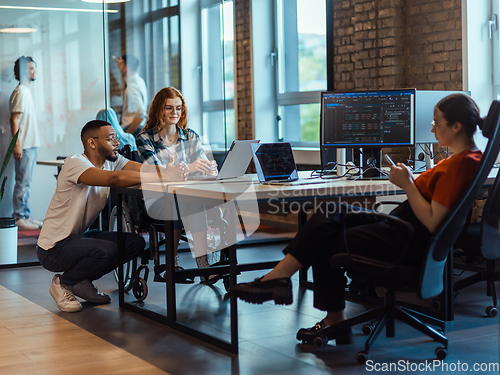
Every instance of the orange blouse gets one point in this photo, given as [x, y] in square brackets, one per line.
[445, 182]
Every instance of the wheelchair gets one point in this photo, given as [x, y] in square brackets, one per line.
[136, 220]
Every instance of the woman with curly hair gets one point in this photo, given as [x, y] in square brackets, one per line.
[166, 140]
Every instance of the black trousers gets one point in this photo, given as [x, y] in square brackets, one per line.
[329, 232]
[89, 256]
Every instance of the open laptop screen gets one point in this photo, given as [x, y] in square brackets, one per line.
[274, 162]
[235, 162]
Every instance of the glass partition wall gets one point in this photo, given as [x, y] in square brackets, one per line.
[74, 44]
[65, 40]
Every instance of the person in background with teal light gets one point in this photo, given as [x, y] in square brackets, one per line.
[110, 116]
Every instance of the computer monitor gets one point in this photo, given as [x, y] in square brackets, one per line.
[367, 119]
[382, 118]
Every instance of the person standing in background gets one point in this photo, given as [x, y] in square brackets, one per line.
[135, 94]
[23, 118]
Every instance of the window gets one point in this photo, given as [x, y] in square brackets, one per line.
[163, 35]
[217, 68]
[301, 68]
[481, 58]
[148, 29]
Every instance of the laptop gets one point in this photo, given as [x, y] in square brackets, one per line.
[235, 163]
[275, 164]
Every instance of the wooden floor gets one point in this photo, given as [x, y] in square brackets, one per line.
[34, 340]
[37, 338]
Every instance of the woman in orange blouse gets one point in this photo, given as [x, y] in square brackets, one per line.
[430, 197]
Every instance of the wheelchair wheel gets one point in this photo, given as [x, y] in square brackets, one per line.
[140, 289]
[128, 227]
[213, 255]
[216, 244]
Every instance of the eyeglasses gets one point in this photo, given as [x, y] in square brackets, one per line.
[169, 108]
[109, 139]
[434, 125]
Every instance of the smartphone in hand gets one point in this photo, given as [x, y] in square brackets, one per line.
[388, 158]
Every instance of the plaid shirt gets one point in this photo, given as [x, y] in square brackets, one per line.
[187, 149]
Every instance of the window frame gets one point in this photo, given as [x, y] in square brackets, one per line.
[225, 104]
[142, 21]
[289, 98]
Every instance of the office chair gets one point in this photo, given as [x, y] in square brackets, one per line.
[428, 279]
[483, 240]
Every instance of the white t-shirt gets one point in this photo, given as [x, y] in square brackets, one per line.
[74, 205]
[22, 101]
[135, 99]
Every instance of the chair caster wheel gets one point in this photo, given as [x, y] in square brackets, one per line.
[140, 289]
[362, 357]
[441, 353]
[367, 329]
[491, 311]
[320, 342]
[435, 304]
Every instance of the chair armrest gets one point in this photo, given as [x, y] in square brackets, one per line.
[396, 221]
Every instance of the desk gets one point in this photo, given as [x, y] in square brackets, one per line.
[214, 193]
[243, 193]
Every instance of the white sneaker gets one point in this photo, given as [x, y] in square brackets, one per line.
[24, 224]
[38, 223]
[64, 297]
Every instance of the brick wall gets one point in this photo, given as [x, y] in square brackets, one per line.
[434, 44]
[398, 43]
[244, 72]
[344, 43]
